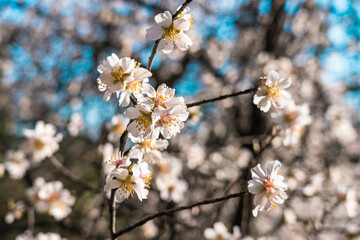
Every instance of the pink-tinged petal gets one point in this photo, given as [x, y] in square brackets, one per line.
[113, 60]
[183, 42]
[107, 96]
[124, 99]
[272, 168]
[181, 24]
[255, 187]
[141, 73]
[273, 76]
[111, 184]
[257, 171]
[164, 19]
[257, 99]
[154, 33]
[264, 105]
[284, 83]
[132, 113]
[166, 46]
[127, 64]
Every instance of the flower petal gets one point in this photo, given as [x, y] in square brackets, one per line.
[164, 19]
[153, 33]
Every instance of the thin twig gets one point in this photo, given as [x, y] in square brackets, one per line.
[69, 174]
[112, 211]
[156, 44]
[177, 209]
[222, 97]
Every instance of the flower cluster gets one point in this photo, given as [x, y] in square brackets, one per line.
[51, 198]
[219, 231]
[268, 187]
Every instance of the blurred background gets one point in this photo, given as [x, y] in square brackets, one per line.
[49, 53]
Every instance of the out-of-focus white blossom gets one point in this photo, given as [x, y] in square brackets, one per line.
[219, 231]
[195, 155]
[51, 198]
[107, 151]
[271, 91]
[48, 236]
[292, 119]
[149, 229]
[268, 187]
[2, 170]
[171, 31]
[76, 124]
[126, 183]
[41, 141]
[117, 127]
[147, 149]
[16, 211]
[171, 188]
[16, 164]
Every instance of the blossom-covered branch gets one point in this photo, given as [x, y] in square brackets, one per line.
[177, 209]
[222, 97]
[156, 44]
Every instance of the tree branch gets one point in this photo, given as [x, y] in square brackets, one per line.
[69, 174]
[177, 209]
[112, 211]
[222, 97]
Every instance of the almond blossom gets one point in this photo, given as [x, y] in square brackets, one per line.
[218, 232]
[114, 72]
[169, 122]
[51, 198]
[142, 125]
[271, 91]
[147, 149]
[41, 141]
[16, 164]
[126, 182]
[16, 211]
[162, 98]
[268, 187]
[171, 31]
[171, 188]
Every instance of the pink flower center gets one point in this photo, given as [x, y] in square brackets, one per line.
[269, 185]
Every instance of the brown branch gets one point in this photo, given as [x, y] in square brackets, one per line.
[112, 211]
[156, 44]
[222, 97]
[177, 209]
[69, 174]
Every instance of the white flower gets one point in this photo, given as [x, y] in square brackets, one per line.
[271, 91]
[51, 198]
[16, 211]
[268, 187]
[25, 236]
[144, 172]
[76, 124]
[147, 149]
[171, 188]
[149, 229]
[218, 232]
[126, 183]
[2, 170]
[41, 141]
[117, 127]
[169, 122]
[162, 98]
[114, 74]
[16, 164]
[107, 151]
[142, 125]
[118, 160]
[171, 31]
